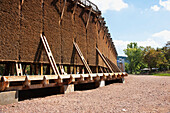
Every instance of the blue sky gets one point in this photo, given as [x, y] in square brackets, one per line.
[146, 22]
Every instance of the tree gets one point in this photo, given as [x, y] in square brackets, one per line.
[154, 58]
[134, 54]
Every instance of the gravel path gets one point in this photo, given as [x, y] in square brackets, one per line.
[143, 94]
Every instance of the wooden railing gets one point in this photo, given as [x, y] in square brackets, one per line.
[89, 3]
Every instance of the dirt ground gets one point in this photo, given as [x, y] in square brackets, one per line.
[143, 94]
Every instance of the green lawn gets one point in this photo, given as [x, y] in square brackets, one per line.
[161, 74]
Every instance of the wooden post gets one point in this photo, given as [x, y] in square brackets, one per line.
[31, 69]
[89, 17]
[97, 69]
[74, 69]
[71, 70]
[83, 71]
[78, 70]
[41, 69]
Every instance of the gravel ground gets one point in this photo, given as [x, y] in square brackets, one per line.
[143, 94]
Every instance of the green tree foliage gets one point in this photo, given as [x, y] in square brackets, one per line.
[140, 57]
[134, 54]
[154, 58]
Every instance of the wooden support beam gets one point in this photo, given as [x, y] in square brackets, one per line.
[78, 70]
[101, 55]
[97, 69]
[83, 71]
[45, 81]
[74, 69]
[75, 5]
[31, 69]
[27, 82]
[24, 69]
[49, 54]
[41, 73]
[82, 58]
[62, 13]
[89, 17]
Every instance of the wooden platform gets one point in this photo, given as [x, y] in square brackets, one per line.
[8, 83]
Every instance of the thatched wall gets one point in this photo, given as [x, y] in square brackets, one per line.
[21, 25]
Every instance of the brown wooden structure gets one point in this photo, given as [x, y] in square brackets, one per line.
[77, 43]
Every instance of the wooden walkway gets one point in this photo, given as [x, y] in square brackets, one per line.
[8, 83]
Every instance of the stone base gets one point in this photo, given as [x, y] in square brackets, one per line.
[67, 88]
[122, 80]
[100, 84]
[8, 97]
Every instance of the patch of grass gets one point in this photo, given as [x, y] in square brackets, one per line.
[161, 74]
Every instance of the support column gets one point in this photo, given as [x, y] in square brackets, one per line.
[74, 69]
[78, 70]
[71, 70]
[83, 71]
[41, 73]
[8, 97]
[31, 69]
[97, 69]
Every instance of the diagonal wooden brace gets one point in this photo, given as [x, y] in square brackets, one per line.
[75, 5]
[62, 14]
[89, 17]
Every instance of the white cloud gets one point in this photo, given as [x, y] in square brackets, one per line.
[157, 40]
[155, 8]
[105, 5]
[165, 4]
